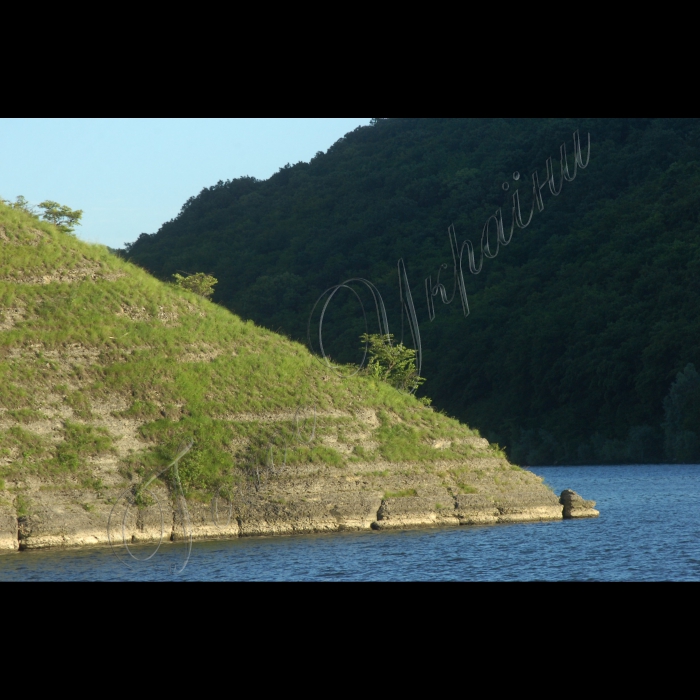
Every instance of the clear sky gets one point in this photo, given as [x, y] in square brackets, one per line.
[131, 175]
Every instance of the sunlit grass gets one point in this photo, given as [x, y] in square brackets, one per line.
[405, 493]
[88, 328]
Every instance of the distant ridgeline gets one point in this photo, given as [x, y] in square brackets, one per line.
[583, 337]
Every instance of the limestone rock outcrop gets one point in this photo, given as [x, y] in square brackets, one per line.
[8, 529]
[576, 507]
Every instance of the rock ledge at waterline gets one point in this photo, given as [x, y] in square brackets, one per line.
[308, 500]
[576, 507]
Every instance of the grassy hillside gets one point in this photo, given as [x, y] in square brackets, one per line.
[104, 370]
[577, 329]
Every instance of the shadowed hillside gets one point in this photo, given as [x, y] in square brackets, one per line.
[577, 329]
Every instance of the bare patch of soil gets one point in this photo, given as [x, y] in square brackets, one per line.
[11, 316]
[91, 271]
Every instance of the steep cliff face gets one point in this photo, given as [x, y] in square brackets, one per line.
[104, 371]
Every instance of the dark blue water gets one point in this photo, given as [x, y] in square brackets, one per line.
[648, 530]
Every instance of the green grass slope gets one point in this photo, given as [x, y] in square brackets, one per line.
[104, 370]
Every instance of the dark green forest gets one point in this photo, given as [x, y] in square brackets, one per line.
[583, 334]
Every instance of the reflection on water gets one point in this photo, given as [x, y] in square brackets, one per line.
[648, 529]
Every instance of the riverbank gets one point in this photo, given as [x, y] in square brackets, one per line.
[299, 500]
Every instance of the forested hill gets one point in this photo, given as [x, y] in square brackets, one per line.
[577, 330]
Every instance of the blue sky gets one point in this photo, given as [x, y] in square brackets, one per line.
[131, 175]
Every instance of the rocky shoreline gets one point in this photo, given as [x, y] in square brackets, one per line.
[297, 501]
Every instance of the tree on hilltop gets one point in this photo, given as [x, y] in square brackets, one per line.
[20, 203]
[61, 216]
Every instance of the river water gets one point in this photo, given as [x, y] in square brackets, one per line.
[648, 530]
